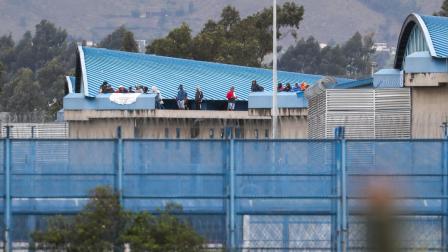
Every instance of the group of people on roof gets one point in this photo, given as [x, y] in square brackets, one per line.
[106, 88]
[280, 88]
[182, 95]
[297, 88]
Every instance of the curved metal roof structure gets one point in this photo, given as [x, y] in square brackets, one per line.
[434, 33]
[130, 69]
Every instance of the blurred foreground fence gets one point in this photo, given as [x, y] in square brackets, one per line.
[264, 195]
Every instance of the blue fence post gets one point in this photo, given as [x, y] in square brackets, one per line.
[232, 196]
[445, 186]
[341, 188]
[119, 169]
[7, 202]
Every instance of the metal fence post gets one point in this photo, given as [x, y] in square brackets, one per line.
[119, 169]
[341, 188]
[344, 195]
[445, 186]
[7, 212]
[232, 195]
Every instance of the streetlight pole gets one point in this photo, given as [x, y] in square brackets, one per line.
[274, 111]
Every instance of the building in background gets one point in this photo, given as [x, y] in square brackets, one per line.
[93, 115]
[409, 100]
[141, 43]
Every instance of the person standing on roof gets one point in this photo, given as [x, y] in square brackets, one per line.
[159, 99]
[231, 99]
[304, 86]
[103, 87]
[280, 87]
[181, 97]
[198, 98]
[255, 87]
[296, 88]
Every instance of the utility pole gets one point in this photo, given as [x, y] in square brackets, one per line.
[274, 111]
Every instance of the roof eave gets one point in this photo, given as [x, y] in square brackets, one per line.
[412, 20]
[83, 71]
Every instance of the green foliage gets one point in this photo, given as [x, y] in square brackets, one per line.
[98, 227]
[129, 44]
[177, 43]
[231, 39]
[162, 233]
[48, 42]
[34, 70]
[21, 94]
[443, 9]
[120, 39]
[103, 225]
[352, 59]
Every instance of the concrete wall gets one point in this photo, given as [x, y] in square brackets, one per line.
[183, 124]
[429, 111]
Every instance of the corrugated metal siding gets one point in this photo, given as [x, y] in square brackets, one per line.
[41, 130]
[438, 30]
[365, 113]
[316, 117]
[353, 109]
[130, 69]
[393, 113]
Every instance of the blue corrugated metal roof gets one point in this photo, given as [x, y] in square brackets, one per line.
[130, 69]
[355, 84]
[438, 31]
[388, 78]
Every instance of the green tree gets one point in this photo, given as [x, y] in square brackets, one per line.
[443, 9]
[48, 42]
[24, 52]
[120, 39]
[231, 39]
[332, 61]
[304, 57]
[103, 225]
[99, 227]
[176, 44]
[22, 94]
[7, 50]
[163, 233]
[129, 44]
[358, 51]
[352, 59]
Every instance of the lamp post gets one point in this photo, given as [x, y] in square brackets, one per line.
[274, 111]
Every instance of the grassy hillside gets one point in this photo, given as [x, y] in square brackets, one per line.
[327, 20]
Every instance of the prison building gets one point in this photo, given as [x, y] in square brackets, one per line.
[92, 115]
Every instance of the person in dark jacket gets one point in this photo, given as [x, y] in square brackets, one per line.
[103, 87]
[198, 98]
[122, 89]
[280, 87]
[287, 88]
[182, 97]
[255, 87]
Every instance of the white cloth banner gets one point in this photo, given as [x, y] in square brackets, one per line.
[124, 99]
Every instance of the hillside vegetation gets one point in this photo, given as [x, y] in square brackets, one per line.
[326, 20]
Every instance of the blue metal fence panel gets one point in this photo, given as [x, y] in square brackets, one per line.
[254, 195]
[49, 175]
[413, 173]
